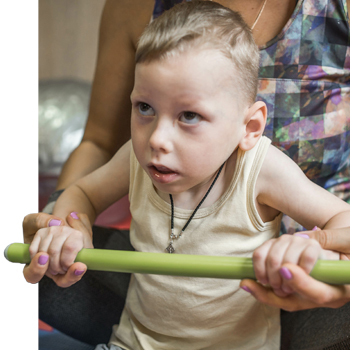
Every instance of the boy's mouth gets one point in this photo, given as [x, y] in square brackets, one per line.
[163, 169]
[161, 173]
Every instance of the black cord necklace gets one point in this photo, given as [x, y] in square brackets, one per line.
[170, 248]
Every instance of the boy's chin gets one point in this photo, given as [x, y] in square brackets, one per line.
[167, 189]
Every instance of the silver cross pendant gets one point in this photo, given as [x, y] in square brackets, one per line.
[170, 248]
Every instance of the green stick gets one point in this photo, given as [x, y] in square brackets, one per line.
[328, 271]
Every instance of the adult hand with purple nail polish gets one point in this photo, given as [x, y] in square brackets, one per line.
[336, 240]
[32, 223]
[307, 292]
[38, 268]
[60, 241]
[269, 258]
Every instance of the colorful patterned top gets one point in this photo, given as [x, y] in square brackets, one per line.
[304, 79]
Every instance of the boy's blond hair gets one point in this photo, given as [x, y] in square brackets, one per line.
[208, 25]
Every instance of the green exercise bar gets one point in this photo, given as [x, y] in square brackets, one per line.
[328, 271]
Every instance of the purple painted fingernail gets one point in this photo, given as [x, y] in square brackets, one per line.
[78, 272]
[302, 235]
[43, 259]
[246, 289]
[315, 228]
[55, 222]
[285, 273]
[74, 215]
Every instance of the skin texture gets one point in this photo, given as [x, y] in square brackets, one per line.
[191, 106]
[181, 112]
[202, 134]
[39, 266]
[308, 293]
[108, 123]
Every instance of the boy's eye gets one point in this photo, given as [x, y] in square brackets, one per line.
[190, 118]
[145, 109]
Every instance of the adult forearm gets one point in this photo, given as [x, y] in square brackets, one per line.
[86, 158]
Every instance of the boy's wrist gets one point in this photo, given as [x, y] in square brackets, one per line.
[54, 196]
[48, 209]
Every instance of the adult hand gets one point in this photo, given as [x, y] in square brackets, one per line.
[308, 293]
[335, 239]
[270, 257]
[32, 223]
[39, 265]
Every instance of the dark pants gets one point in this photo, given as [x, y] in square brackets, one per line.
[87, 310]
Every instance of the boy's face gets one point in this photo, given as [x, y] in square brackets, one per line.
[186, 120]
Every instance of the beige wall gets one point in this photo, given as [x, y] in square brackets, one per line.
[68, 38]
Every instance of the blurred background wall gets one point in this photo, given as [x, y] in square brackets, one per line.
[68, 43]
[68, 38]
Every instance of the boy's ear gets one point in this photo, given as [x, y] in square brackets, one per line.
[255, 121]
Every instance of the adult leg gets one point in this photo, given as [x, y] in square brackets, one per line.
[316, 329]
[87, 310]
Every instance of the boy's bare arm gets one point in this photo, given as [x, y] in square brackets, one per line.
[78, 207]
[283, 186]
[97, 191]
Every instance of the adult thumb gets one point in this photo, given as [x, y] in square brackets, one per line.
[335, 239]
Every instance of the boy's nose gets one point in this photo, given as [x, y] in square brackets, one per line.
[160, 140]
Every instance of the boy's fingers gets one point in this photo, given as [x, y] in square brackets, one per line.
[259, 261]
[81, 223]
[36, 270]
[70, 249]
[73, 275]
[309, 256]
[34, 246]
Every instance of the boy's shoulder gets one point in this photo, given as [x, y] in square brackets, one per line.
[276, 181]
[278, 168]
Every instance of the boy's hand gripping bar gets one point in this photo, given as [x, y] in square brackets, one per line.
[328, 271]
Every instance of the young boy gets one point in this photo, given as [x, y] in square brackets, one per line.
[201, 180]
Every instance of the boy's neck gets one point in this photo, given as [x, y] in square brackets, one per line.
[190, 199]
